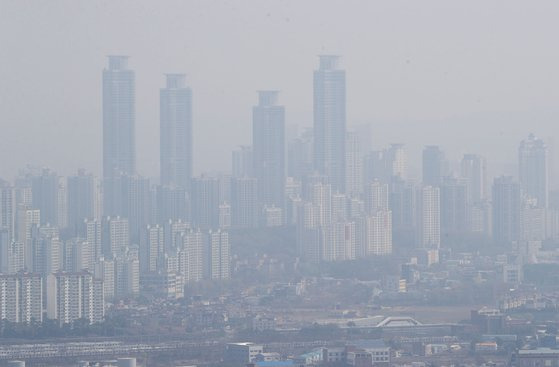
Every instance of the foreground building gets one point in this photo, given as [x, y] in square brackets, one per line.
[219, 255]
[74, 296]
[536, 357]
[239, 354]
[21, 298]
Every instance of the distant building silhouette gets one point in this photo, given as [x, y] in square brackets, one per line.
[353, 165]
[454, 206]
[433, 165]
[330, 121]
[45, 196]
[506, 210]
[241, 160]
[82, 192]
[176, 132]
[205, 202]
[119, 118]
[119, 141]
[244, 202]
[533, 169]
[474, 169]
[268, 142]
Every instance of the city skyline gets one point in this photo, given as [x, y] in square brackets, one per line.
[263, 183]
[342, 223]
[176, 82]
[395, 81]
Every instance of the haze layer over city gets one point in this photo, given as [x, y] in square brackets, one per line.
[419, 73]
[279, 183]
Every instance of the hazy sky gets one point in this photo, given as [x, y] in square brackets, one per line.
[472, 76]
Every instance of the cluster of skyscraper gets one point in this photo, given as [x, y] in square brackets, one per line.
[344, 200]
[89, 240]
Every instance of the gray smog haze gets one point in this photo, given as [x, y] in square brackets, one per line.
[471, 76]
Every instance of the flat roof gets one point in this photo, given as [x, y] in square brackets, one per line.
[539, 351]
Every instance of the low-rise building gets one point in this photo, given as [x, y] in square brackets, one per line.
[263, 323]
[380, 352]
[333, 355]
[240, 354]
[540, 357]
[359, 358]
